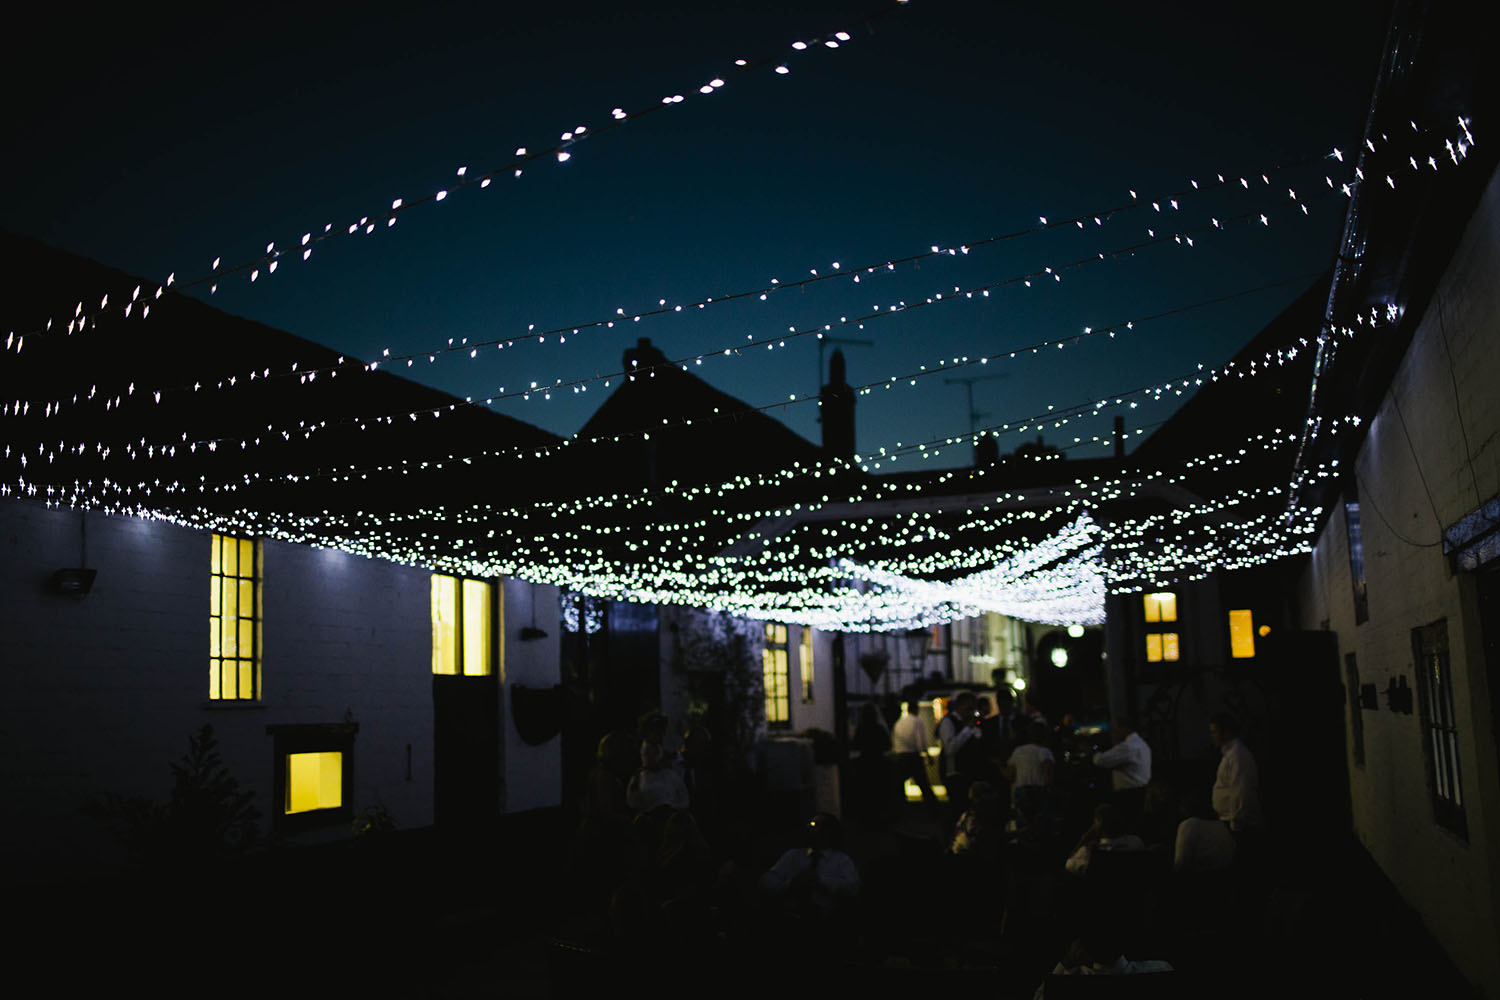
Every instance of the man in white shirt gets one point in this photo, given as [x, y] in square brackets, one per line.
[909, 742]
[1129, 760]
[1236, 796]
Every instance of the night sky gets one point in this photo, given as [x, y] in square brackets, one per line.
[155, 145]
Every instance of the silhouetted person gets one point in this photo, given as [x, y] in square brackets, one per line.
[910, 742]
[1236, 795]
[816, 877]
[959, 736]
[1129, 764]
[1030, 771]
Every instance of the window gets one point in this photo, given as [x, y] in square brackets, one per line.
[806, 663]
[234, 619]
[774, 673]
[1429, 646]
[313, 779]
[462, 612]
[1159, 608]
[1356, 554]
[1356, 711]
[1241, 635]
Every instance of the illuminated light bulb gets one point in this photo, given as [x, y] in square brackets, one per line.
[782, 70]
[563, 156]
[440, 196]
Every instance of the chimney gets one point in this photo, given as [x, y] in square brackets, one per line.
[836, 410]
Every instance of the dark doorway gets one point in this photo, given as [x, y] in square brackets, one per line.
[466, 722]
[1304, 774]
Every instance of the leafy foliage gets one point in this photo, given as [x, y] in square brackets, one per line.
[208, 814]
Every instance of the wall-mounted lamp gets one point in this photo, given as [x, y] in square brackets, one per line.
[74, 582]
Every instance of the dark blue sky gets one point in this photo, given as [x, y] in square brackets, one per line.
[156, 144]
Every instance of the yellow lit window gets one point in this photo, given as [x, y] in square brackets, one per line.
[462, 628]
[774, 672]
[1161, 646]
[1241, 635]
[1161, 607]
[233, 619]
[314, 781]
[806, 662]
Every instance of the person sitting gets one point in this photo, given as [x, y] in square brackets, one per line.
[656, 784]
[1204, 843]
[980, 827]
[815, 878]
[1098, 952]
[1108, 833]
[1030, 771]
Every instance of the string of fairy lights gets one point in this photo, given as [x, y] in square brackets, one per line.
[1270, 360]
[307, 374]
[786, 574]
[1455, 149]
[757, 592]
[559, 151]
[168, 449]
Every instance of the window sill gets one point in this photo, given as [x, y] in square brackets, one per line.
[217, 705]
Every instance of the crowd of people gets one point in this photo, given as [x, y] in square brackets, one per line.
[651, 866]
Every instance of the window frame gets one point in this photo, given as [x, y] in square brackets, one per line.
[289, 739]
[256, 581]
[1166, 642]
[494, 609]
[805, 654]
[1434, 684]
[776, 676]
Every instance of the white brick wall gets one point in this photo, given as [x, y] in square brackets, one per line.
[1418, 474]
[101, 693]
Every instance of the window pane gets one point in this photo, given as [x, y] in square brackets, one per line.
[1241, 635]
[230, 565]
[1169, 646]
[1153, 647]
[1161, 607]
[247, 557]
[215, 542]
[246, 687]
[213, 595]
[231, 608]
[806, 664]
[476, 646]
[314, 781]
[444, 624]
[228, 642]
[213, 679]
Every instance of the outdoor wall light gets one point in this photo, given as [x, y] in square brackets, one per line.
[1059, 657]
[74, 582]
[1076, 631]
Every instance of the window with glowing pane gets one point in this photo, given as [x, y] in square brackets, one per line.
[806, 662]
[314, 781]
[1161, 607]
[1157, 608]
[462, 629]
[234, 619]
[774, 673]
[1241, 635]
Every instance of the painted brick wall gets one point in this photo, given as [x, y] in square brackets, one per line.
[98, 694]
[1432, 455]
